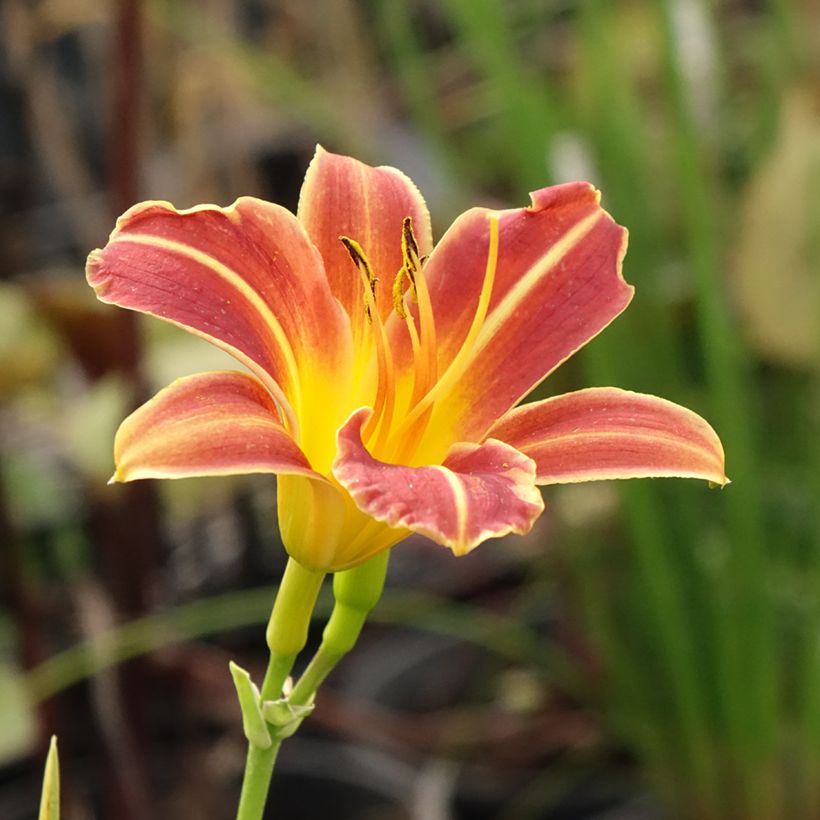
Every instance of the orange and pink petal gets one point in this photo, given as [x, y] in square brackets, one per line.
[557, 284]
[219, 423]
[245, 277]
[605, 432]
[344, 197]
[480, 492]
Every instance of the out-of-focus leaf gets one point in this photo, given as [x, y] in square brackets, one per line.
[89, 423]
[27, 349]
[16, 717]
[171, 353]
[777, 260]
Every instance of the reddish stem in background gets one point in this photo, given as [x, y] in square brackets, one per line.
[125, 525]
[126, 106]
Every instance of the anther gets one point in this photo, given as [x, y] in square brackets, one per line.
[365, 270]
[411, 265]
[409, 249]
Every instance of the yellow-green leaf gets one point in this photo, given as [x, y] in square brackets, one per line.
[50, 800]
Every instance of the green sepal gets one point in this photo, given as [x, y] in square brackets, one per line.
[250, 703]
[285, 717]
[50, 798]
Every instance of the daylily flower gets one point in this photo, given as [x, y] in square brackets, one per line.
[385, 373]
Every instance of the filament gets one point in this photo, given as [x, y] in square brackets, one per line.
[461, 360]
[385, 399]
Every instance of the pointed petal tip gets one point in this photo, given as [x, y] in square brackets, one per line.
[721, 482]
[608, 433]
[216, 423]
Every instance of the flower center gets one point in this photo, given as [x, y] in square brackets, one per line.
[419, 418]
[397, 439]
[407, 283]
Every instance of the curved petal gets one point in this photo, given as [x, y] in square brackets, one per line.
[344, 197]
[557, 283]
[221, 423]
[245, 277]
[604, 432]
[481, 491]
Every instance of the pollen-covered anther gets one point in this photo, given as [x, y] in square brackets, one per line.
[410, 250]
[369, 279]
[412, 264]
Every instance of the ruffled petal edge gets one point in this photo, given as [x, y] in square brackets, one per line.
[481, 491]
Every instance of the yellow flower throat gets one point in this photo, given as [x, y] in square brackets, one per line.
[403, 403]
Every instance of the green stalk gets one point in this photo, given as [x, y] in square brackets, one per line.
[416, 71]
[682, 749]
[674, 736]
[808, 694]
[791, 44]
[689, 758]
[625, 693]
[751, 659]
[286, 636]
[356, 592]
[526, 111]
[615, 124]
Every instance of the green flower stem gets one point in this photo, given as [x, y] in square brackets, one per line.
[290, 619]
[286, 636]
[356, 592]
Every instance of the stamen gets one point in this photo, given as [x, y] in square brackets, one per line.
[411, 264]
[461, 360]
[410, 250]
[427, 363]
[409, 245]
[424, 348]
[385, 403]
[386, 389]
[363, 265]
[414, 336]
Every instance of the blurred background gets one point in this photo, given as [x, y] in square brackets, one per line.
[652, 650]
